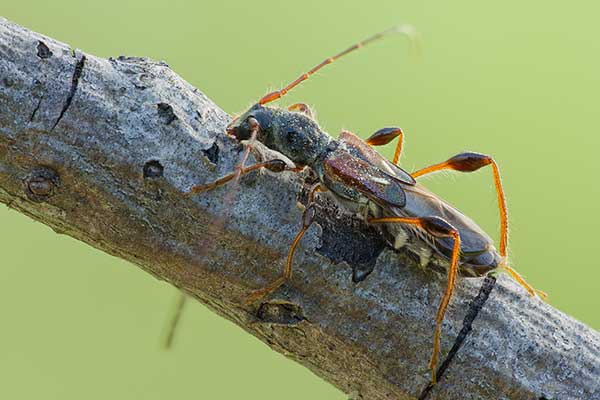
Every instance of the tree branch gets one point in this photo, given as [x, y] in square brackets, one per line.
[102, 150]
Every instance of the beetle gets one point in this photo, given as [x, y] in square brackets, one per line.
[383, 193]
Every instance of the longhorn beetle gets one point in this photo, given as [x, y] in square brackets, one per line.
[357, 175]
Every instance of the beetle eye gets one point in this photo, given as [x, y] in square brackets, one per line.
[245, 129]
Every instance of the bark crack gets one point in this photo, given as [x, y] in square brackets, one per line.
[74, 83]
[35, 110]
[476, 305]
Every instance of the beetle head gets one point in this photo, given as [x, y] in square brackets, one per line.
[293, 134]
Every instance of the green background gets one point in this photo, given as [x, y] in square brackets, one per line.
[518, 80]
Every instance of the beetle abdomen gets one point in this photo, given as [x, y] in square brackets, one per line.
[478, 253]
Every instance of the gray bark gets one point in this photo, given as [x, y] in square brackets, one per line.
[102, 150]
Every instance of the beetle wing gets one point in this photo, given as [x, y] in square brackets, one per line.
[348, 173]
[420, 202]
[359, 148]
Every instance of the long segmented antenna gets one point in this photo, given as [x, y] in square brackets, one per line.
[407, 30]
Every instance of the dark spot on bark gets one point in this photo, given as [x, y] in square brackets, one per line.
[166, 113]
[41, 184]
[153, 169]
[280, 312]
[212, 153]
[43, 51]
[132, 59]
[8, 82]
[346, 238]
[360, 272]
[74, 83]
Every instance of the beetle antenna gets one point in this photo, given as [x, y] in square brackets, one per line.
[407, 30]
